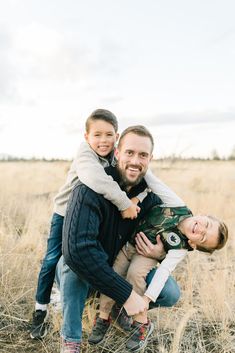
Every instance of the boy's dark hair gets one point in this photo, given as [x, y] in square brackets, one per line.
[139, 130]
[102, 114]
[222, 237]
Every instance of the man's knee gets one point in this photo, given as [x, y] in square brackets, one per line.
[170, 293]
[173, 294]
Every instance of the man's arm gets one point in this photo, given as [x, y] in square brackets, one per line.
[84, 253]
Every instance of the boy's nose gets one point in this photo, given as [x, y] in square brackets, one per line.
[202, 229]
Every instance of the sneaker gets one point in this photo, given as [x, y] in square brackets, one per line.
[139, 337]
[121, 318]
[39, 327]
[99, 330]
[70, 347]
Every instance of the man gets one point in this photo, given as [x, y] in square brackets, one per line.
[94, 232]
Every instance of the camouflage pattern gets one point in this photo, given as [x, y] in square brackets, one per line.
[164, 221]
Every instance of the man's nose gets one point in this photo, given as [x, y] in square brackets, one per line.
[135, 159]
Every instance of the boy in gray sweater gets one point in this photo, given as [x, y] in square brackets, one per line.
[93, 155]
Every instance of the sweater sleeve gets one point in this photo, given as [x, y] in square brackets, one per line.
[168, 196]
[91, 173]
[82, 249]
[168, 265]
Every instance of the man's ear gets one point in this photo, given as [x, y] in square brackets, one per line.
[116, 152]
[192, 244]
[86, 136]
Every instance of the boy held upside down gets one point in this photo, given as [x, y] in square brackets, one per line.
[179, 232]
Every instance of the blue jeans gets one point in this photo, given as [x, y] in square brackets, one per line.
[74, 292]
[47, 273]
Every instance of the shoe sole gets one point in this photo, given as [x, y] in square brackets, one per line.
[39, 337]
[45, 333]
[146, 340]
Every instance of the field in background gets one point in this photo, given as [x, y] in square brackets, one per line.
[203, 320]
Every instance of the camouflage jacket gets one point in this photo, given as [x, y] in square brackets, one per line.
[164, 221]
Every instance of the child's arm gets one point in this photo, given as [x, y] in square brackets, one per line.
[172, 259]
[168, 197]
[91, 172]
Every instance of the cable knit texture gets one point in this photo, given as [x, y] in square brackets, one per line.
[93, 234]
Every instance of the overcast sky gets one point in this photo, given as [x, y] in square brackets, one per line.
[163, 63]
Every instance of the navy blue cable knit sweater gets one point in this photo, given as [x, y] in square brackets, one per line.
[93, 234]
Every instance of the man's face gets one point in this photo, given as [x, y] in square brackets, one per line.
[133, 155]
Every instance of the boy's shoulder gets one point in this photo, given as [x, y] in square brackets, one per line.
[176, 211]
[85, 147]
[85, 151]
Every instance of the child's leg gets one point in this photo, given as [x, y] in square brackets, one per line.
[136, 275]
[53, 254]
[46, 278]
[121, 265]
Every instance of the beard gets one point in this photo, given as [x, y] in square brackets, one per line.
[125, 182]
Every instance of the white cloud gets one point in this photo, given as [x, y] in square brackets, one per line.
[166, 65]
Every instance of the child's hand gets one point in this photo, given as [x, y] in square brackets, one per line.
[135, 200]
[131, 212]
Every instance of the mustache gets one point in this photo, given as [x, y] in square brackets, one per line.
[137, 166]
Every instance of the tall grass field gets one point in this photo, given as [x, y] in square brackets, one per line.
[204, 318]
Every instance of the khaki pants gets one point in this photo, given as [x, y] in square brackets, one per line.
[132, 266]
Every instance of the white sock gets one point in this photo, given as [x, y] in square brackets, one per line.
[42, 307]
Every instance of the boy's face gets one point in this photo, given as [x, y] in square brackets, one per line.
[201, 230]
[133, 155]
[101, 137]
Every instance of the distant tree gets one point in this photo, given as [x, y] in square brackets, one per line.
[232, 154]
[214, 155]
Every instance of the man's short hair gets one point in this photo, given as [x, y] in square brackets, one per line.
[139, 130]
[101, 114]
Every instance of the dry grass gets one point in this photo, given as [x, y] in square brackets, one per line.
[203, 321]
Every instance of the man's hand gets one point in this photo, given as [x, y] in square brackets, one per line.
[146, 248]
[131, 212]
[135, 304]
